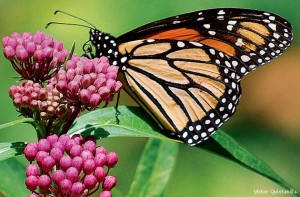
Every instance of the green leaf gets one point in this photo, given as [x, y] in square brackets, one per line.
[101, 123]
[12, 174]
[134, 122]
[11, 149]
[223, 145]
[154, 169]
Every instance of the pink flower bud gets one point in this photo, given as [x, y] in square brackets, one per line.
[38, 56]
[38, 37]
[48, 163]
[85, 155]
[32, 195]
[77, 189]
[109, 183]
[73, 87]
[15, 35]
[75, 150]
[5, 41]
[44, 182]
[104, 59]
[65, 162]
[32, 170]
[78, 138]
[9, 52]
[90, 181]
[30, 152]
[65, 186]
[100, 149]
[70, 74]
[47, 43]
[72, 174]
[58, 176]
[86, 81]
[105, 194]
[56, 154]
[58, 45]
[62, 86]
[89, 166]
[99, 82]
[61, 57]
[77, 163]
[12, 42]
[100, 174]
[101, 67]
[63, 139]
[58, 145]
[118, 86]
[95, 100]
[71, 64]
[30, 47]
[31, 182]
[26, 35]
[100, 159]
[44, 145]
[22, 54]
[111, 84]
[52, 139]
[104, 91]
[48, 53]
[111, 159]
[84, 96]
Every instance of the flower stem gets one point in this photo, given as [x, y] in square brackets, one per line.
[71, 119]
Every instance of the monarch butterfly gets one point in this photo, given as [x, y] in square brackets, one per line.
[185, 70]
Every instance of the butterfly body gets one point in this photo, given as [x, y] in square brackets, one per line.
[185, 71]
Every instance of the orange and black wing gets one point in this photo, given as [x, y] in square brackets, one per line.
[250, 37]
[180, 85]
[185, 70]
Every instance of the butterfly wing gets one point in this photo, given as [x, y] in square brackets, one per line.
[185, 70]
[250, 37]
[180, 85]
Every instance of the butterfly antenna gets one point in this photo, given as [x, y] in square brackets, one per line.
[71, 15]
[59, 23]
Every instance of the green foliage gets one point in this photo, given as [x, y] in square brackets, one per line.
[160, 154]
[154, 169]
[12, 174]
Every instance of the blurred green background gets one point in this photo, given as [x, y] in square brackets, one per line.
[268, 117]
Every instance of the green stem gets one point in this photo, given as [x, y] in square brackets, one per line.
[16, 122]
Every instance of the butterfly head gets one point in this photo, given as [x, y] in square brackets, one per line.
[105, 45]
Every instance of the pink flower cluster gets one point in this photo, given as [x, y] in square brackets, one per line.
[56, 89]
[35, 57]
[47, 101]
[88, 82]
[69, 167]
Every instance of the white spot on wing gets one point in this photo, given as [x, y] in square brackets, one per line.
[207, 26]
[272, 26]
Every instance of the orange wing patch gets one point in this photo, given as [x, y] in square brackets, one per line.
[183, 33]
[219, 45]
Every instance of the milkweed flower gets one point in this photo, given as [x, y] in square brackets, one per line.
[34, 100]
[54, 168]
[35, 57]
[87, 83]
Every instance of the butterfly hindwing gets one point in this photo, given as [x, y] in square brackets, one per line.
[180, 85]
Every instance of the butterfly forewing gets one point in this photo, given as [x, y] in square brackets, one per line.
[181, 86]
[250, 37]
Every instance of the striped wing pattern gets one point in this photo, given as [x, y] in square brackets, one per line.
[185, 70]
[179, 84]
